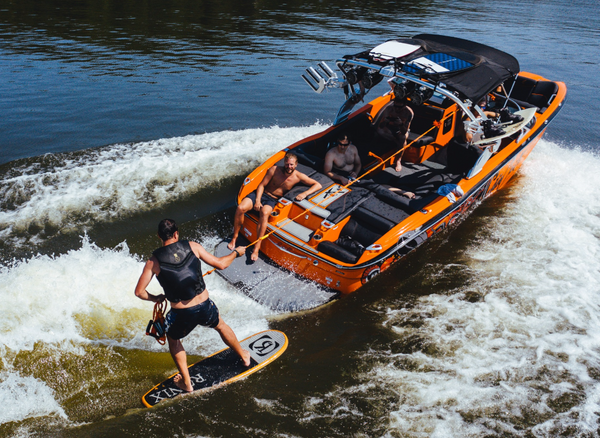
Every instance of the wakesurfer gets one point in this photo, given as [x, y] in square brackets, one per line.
[177, 266]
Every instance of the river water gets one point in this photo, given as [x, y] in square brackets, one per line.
[114, 115]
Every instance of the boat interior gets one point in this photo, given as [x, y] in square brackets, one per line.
[344, 223]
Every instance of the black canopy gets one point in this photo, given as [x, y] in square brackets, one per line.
[492, 66]
[476, 68]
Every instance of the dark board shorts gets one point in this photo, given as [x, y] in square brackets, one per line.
[264, 199]
[180, 322]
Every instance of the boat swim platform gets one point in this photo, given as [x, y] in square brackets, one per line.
[271, 285]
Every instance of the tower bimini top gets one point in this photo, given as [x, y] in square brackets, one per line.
[470, 68]
[461, 70]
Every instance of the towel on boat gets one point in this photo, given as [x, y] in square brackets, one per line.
[451, 191]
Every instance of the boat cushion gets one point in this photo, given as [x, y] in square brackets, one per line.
[542, 94]
[360, 231]
[337, 252]
[381, 214]
[346, 204]
[324, 180]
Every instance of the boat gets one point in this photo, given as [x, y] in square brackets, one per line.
[457, 154]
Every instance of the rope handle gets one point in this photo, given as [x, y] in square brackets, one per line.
[156, 326]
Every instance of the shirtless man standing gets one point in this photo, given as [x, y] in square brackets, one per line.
[276, 183]
[342, 162]
[394, 126]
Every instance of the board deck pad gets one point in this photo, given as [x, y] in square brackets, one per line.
[224, 366]
[269, 284]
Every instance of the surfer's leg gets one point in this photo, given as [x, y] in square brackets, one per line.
[231, 341]
[265, 212]
[180, 357]
[238, 220]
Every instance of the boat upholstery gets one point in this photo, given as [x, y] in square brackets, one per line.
[361, 130]
[354, 237]
[528, 92]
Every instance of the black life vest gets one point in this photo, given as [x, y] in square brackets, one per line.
[180, 271]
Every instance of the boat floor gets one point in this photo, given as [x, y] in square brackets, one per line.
[269, 284]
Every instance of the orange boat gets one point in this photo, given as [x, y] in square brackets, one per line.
[457, 154]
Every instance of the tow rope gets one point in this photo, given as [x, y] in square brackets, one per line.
[156, 326]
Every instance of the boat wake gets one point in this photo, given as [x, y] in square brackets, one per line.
[63, 193]
[74, 314]
[514, 350]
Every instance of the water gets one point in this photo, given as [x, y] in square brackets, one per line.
[114, 116]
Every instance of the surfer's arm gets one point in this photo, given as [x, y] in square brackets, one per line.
[144, 281]
[214, 261]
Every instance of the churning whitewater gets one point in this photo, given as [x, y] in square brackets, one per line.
[519, 341]
[64, 313]
[517, 347]
[67, 192]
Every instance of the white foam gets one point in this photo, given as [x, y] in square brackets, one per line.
[534, 338]
[526, 356]
[26, 397]
[78, 189]
[86, 296]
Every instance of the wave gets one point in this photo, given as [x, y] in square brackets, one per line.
[66, 192]
[76, 313]
[515, 349]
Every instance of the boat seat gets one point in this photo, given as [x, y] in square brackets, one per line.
[382, 215]
[346, 204]
[375, 221]
[543, 94]
[314, 209]
[457, 157]
[522, 88]
[421, 181]
[531, 93]
[354, 238]
[308, 159]
[425, 116]
[391, 200]
[325, 182]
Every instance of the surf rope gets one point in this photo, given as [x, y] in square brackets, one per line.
[156, 326]
[382, 163]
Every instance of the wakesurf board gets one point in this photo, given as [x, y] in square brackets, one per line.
[224, 366]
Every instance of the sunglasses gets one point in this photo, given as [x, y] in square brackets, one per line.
[343, 144]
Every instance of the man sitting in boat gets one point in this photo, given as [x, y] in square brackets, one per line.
[342, 162]
[394, 126]
[276, 183]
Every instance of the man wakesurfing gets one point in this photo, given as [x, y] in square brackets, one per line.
[177, 267]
